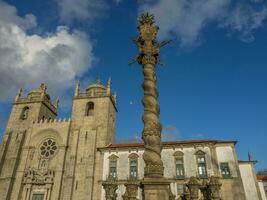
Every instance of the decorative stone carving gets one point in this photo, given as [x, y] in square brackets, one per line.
[131, 190]
[43, 165]
[148, 57]
[193, 186]
[110, 187]
[31, 153]
[38, 177]
[186, 194]
[204, 190]
[214, 188]
[210, 189]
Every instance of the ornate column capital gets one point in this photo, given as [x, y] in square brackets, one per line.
[214, 186]
[193, 186]
[110, 187]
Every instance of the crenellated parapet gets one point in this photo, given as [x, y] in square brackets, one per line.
[36, 96]
[52, 121]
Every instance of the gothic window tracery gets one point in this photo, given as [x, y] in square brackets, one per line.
[48, 148]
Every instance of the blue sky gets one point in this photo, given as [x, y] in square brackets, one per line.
[212, 86]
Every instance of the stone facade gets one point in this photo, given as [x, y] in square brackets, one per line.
[42, 157]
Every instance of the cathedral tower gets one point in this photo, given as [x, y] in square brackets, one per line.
[35, 106]
[92, 126]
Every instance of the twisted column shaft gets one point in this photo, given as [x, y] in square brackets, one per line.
[149, 51]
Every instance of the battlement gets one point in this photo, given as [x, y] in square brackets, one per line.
[52, 121]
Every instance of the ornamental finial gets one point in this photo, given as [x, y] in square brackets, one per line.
[57, 103]
[146, 18]
[109, 86]
[77, 88]
[18, 95]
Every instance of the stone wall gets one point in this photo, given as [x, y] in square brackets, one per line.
[250, 183]
[56, 157]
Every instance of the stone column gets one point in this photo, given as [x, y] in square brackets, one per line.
[131, 190]
[155, 186]
[110, 187]
[214, 188]
[193, 186]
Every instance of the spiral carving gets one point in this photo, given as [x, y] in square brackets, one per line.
[148, 57]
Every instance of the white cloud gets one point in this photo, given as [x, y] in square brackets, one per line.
[28, 59]
[187, 18]
[79, 10]
[245, 20]
[9, 16]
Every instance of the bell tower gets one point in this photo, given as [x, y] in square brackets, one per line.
[35, 106]
[95, 109]
[92, 126]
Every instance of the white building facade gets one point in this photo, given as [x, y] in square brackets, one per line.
[182, 160]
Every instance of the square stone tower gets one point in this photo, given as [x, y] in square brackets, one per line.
[36, 106]
[45, 158]
[92, 126]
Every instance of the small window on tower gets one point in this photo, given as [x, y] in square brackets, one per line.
[90, 109]
[24, 113]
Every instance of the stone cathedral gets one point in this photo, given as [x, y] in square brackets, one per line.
[43, 157]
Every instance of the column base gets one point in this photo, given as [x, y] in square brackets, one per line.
[156, 189]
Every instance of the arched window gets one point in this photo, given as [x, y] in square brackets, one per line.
[179, 164]
[133, 162]
[24, 113]
[90, 109]
[113, 166]
[201, 164]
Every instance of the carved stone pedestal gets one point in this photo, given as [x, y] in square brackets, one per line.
[110, 187]
[131, 190]
[155, 189]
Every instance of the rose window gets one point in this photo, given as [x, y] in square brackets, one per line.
[48, 148]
